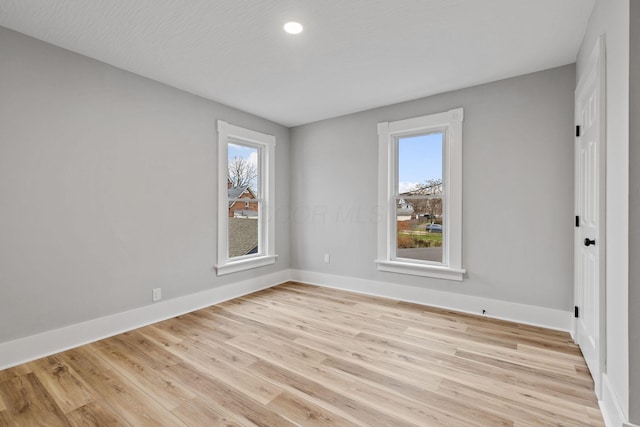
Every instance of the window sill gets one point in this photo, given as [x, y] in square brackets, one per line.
[435, 271]
[245, 264]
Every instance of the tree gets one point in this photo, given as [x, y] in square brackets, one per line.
[242, 173]
[432, 207]
[429, 188]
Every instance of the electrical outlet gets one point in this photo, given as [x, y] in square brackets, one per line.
[327, 258]
[156, 294]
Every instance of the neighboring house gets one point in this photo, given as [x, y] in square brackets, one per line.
[245, 208]
[243, 224]
[404, 210]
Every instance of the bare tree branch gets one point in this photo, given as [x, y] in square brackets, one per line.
[431, 207]
[242, 173]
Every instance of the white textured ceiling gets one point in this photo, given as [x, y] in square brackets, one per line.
[352, 56]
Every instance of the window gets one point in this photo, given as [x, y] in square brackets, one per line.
[245, 195]
[420, 196]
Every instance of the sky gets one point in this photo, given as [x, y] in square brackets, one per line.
[245, 152]
[419, 159]
[248, 153]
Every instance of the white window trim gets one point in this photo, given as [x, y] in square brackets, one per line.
[228, 133]
[450, 123]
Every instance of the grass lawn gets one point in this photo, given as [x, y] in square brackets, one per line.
[436, 237]
[415, 236]
[418, 233]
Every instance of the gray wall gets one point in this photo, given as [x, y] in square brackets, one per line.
[107, 188]
[634, 213]
[518, 190]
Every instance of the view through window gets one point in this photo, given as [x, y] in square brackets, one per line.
[244, 199]
[419, 198]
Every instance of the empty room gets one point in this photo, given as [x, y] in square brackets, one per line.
[302, 213]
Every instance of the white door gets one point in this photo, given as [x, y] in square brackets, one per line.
[589, 206]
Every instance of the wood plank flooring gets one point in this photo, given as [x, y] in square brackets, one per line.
[304, 355]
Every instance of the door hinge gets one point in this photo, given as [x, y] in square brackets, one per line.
[576, 311]
[577, 131]
[577, 221]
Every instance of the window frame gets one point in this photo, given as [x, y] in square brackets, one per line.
[265, 144]
[449, 123]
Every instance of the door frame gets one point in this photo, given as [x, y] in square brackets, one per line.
[595, 63]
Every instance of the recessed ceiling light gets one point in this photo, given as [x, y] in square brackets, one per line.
[293, 27]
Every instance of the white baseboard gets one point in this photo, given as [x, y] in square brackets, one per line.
[610, 406]
[522, 313]
[33, 347]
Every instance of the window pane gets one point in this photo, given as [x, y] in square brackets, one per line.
[243, 228]
[419, 229]
[420, 164]
[419, 221]
[243, 187]
[243, 174]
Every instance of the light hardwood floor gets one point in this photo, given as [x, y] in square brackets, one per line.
[304, 355]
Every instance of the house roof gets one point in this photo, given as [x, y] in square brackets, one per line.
[236, 192]
[243, 236]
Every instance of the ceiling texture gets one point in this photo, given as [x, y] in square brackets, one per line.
[353, 54]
